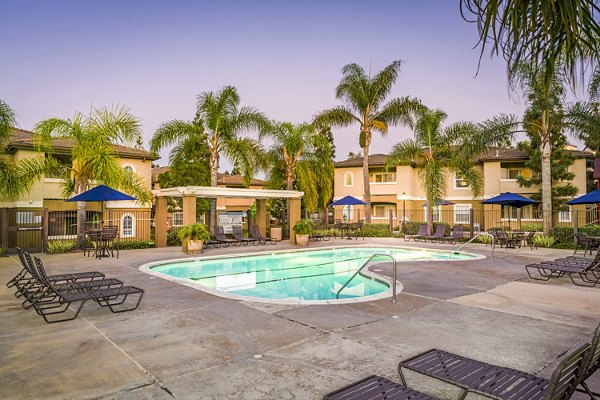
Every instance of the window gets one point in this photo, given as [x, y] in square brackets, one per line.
[381, 211]
[513, 173]
[129, 168]
[564, 215]
[462, 213]
[460, 182]
[128, 226]
[383, 177]
[348, 213]
[436, 213]
[348, 179]
[178, 218]
[509, 213]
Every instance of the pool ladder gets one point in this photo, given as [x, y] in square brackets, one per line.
[475, 237]
[394, 300]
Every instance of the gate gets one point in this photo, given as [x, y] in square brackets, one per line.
[24, 228]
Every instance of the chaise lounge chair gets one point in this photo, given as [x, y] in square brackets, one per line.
[420, 234]
[376, 388]
[110, 298]
[588, 271]
[238, 235]
[439, 233]
[506, 383]
[457, 235]
[224, 240]
[255, 232]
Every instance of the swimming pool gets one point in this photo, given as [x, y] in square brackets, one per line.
[294, 276]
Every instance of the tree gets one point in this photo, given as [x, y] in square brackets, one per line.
[16, 178]
[538, 32]
[364, 96]
[436, 150]
[220, 118]
[93, 156]
[301, 158]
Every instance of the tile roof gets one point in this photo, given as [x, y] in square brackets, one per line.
[222, 179]
[22, 139]
[493, 154]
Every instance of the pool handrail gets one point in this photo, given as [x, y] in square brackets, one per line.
[394, 300]
[475, 237]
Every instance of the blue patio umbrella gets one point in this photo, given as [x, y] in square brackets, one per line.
[440, 203]
[101, 193]
[590, 198]
[510, 199]
[347, 201]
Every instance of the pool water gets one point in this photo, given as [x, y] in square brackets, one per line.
[301, 275]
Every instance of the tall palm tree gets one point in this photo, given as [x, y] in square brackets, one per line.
[364, 97]
[300, 157]
[16, 178]
[435, 150]
[93, 157]
[220, 119]
[538, 32]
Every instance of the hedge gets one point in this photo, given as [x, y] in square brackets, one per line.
[135, 244]
[564, 236]
[376, 230]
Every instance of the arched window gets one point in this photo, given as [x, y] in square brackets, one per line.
[348, 179]
[128, 226]
[348, 213]
[129, 168]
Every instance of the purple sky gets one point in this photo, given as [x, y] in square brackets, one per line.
[284, 57]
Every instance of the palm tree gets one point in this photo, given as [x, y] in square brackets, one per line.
[436, 150]
[220, 119]
[16, 178]
[93, 156]
[301, 157]
[538, 32]
[364, 96]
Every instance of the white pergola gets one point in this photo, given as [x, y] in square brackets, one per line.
[190, 193]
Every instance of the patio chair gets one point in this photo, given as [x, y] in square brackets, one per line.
[374, 388]
[225, 241]
[593, 365]
[581, 240]
[457, 235]
[255, 232]
[439, 233]
[529, 240]
[518, 237]
[111, 298]
[499, 382]
[107, 241]
[420, 234]
[238, 234]
[358, 230]
[339, 226]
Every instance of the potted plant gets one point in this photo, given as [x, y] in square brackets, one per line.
[277, 233]
[303, 229]
[193, 237]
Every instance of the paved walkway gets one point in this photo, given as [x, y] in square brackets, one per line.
[183, 343]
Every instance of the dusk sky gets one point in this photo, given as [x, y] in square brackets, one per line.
[285, 58]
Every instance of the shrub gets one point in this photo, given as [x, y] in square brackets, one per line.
[172, 237]
[136, 244]
[2, 251]
[543, 240]
[563, 235]
[304, 227]
[60, 246]
[484, 239]
[327, 232]
[532, 227]
[194, 232]
[376, 230]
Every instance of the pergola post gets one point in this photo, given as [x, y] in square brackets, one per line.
[261, 215]
[295, 216]
[160, 222]
[189, 209]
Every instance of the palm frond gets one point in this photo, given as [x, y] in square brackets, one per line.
[407, 152]
[433, 178]
[340, 116]
[383, 82]
[171, 132]
[594, 86]
[117, 124]
[400, 111]
[7, 123]
[247, 155]
[583, 121]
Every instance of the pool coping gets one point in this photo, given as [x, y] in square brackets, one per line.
[147, 268]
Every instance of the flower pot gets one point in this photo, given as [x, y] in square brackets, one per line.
[192, 246]
[277, 233]
[302, 240]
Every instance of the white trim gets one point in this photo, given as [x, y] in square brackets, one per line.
[130, 166]
[507, 180]
[463, 205]
[54, 180]
[459, 187]
[133, 225]
[383, 183]
[351, 174]
[214, 192]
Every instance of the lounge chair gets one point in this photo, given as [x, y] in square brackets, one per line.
[457, 235]
[529, 240]
[315, 237]
[582, 240]
[593, 365]
[238, 235]
[420, 234]
[588, 272]
[500, 382]
[224, 240]
[255, 232]
[111, 298]
[375, 388]
[439, 233]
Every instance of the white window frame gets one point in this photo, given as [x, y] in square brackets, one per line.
[456, 179]
[177, 218]
[564, 215]
[348, 213]
[133, 225]
[349, 174]
[463, 209]
[437, 213]
[374, 176]
[125, 166]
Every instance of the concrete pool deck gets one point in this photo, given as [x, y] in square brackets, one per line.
[183, 343]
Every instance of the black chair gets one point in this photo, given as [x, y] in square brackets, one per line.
[581, 240]
[224, 240]
[238, 234]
